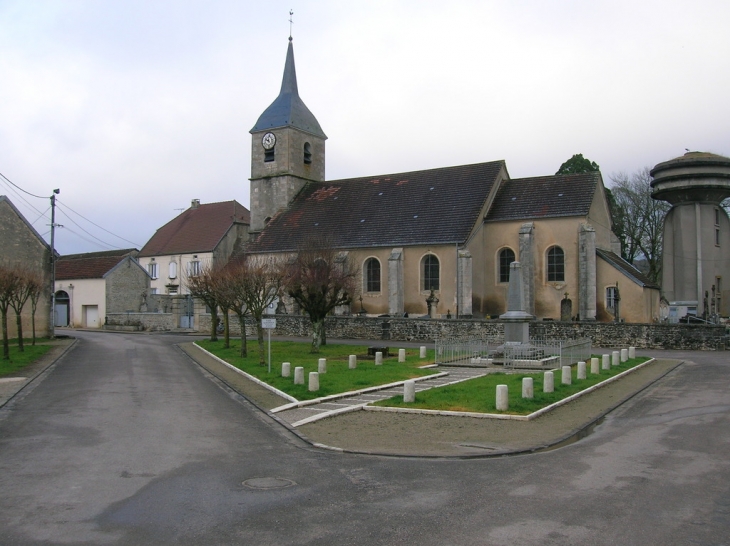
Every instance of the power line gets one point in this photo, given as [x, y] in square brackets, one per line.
[21, 189]
[87, 233]
[23, 199]
[101, 228]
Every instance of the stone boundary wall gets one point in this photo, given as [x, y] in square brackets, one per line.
[602, 334]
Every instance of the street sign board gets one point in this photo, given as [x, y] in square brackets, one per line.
[268, 323]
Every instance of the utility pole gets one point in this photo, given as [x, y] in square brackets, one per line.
[52, 328]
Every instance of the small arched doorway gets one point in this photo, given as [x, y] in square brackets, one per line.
[63, 307]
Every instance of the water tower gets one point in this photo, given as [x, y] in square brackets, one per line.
[696, 250]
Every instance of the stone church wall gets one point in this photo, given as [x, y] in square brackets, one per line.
[643, 336]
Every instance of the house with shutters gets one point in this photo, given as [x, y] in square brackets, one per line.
[91, 285]
[450, 231]
[203, 235]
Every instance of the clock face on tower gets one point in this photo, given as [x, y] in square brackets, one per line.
[268, 141]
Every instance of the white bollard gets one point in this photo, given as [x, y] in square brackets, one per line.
[632, 352]
[527, 387]
[409, 391]
[378, 358]
[605, 362]
[502, 398]
[615, 358]
[422, 353]
[594, 366]
[322, 365]
[624, 355]
[566, 378]
[313, 381]
[581, 370]
[401, 355]
[548, 382]
[285, 369]
[299, 375]
[353, 362]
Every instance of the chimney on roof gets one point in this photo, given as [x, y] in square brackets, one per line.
[195, 203]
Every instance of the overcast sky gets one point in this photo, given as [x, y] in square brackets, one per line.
[133, 108]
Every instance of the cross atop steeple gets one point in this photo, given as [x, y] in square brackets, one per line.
[291, 22]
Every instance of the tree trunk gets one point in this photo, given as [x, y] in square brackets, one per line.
[317, 327]
[226, 331]
[6, 342]
[19, 322]
[213, 324]
[32, 325]
[244, 348]
[260, 336]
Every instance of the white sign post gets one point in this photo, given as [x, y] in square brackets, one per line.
[269, 324]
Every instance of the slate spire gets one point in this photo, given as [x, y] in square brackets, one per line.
[288, 110]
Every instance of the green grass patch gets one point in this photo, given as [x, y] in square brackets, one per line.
[19, 360]
[479, 394]
[338, 379]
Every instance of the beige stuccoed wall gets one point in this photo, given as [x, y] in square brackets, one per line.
[163, 269]
[638, 304]
[84, 292]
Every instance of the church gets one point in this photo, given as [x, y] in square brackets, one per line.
[448, 233]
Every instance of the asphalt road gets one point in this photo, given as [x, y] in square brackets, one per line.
[127, 441]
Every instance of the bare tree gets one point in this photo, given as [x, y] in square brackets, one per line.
[19, 297]
[318, 280]
[230, 291]
[36, 286]
[259, 282]
[201, 285]
[8, 284]
[638, 220]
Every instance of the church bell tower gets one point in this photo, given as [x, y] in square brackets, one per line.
[287, 150]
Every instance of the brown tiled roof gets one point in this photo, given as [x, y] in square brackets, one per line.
[436, 206]
[544, 197]
[626, 268]
[198, 229]
[93, 265]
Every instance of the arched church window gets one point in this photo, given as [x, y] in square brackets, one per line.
[372, 275]
[556, 265]
[430, 272]
[307, 153]
[506, 257]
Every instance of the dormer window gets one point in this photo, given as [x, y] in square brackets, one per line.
[307, 153]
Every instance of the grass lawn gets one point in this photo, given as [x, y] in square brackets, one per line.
[19, 360]
[339, 378]
[479, 395]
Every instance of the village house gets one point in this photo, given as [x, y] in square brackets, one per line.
[22, 246]
[88, 286]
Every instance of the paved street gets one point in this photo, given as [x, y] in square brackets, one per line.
[127, 441]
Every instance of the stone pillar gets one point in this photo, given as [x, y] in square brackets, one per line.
[516, 320]
[548, 382]
[422, 352]
[624, 355]
[409, 391]
[352, 362]
[615, 358]
[313, 381]
[396, 283]
[502, 398]
[322, 365]
[587, 272]
[527, 259]
[605, 362]
[285, 369]
[581, 371]
[527, 387]
[464, 284]
[594, 366]
[401, 355]
[299, 375]
[632, 352]
[566, 378]
[378, 358]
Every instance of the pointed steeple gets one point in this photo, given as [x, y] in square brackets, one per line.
[288, 110]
